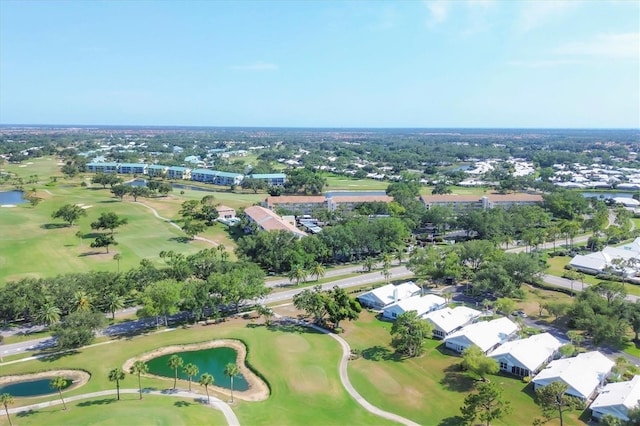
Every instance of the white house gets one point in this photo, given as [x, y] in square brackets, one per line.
[598, 262]
[446, 321]
[525, 357]
[487, 335]
[420, 304]
[383, 296]
[617, 399]
[582, 374]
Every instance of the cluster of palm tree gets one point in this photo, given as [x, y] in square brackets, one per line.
[299, 273]
[175, 362]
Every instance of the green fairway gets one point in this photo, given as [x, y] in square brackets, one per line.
[106, 410]
[429, 389]
[344, 183]
[301, 367]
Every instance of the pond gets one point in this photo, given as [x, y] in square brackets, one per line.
[11, 197]
[607, 194]
[212, 361]
[35, 387]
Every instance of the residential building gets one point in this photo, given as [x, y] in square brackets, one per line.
[583, 374]
[102, 167]
[487, 335]
[446, 320]
[272, 179]
[418, 303]
[525, 357]
[462, 203]
[380, 297]
[133, 168]
[176, 172]
[300, 204]
[616, 399]
[216, 177]
[267, 220]
[225, 212]
[348, 203]
[156, 170]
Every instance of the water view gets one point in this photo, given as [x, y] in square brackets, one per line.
[35, 387]
[212, 361]
[11, 197]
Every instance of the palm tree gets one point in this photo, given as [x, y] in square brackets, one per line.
[139, 368]
[297, 274]
[48, 314]
[368, 264]
[231, 370]
[80, 235]
[6, 399]
[114, 303]
[399, 254]
[116, 375]
[317, 270]
[117, 257]
[59, 383]
[190, 370]
[205, 380]
[83, 302]
[175, 362]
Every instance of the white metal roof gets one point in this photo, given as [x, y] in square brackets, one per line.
[418, 303]
[582, 373]
[617, 398]
[486, 334]
[387, 294]
[448, 319]
[530, 352]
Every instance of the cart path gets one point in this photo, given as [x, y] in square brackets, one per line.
[175, 225]
[344, 377]
[216, 403]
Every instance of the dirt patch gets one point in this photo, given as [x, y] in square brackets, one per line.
[77, 377]
[258, 390]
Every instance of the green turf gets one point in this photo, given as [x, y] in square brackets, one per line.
[430, 389]
[300, 366]
[106, 410]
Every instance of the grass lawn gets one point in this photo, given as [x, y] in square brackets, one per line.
[106, 410]
[28, 233]
[301, 367]
[344, 183]
[429, 389]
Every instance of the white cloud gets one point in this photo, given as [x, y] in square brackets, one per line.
[438, 12]
[256, 66]
[622, 46]
[535, 14]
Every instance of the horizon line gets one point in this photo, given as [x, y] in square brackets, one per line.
[151, 126]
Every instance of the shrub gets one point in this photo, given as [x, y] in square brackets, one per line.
[526, 379]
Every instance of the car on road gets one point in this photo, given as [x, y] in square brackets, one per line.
[519, 313]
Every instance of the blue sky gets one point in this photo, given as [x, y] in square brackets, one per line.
[321, 63]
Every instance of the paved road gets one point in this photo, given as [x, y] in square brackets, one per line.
[216, 403]
[133, 326]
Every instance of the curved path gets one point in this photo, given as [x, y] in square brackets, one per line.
[344, 378]
[172, 223]
[215, 403]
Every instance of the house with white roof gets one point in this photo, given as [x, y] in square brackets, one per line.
[487, 335]
[582, 374]
[418, 303]
[525, 357]
[380, 297]
[602, 261]
[616, 399]
[446, 320]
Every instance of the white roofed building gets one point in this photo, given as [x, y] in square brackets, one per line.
[582, 374]
[446, 320]
[381, 297]
[525, 357]
[420, 304]
[616, 399]
[487, 335]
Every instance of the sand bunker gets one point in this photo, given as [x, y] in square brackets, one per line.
[258, 390]
[78, 377]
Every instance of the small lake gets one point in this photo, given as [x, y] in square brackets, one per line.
[607, 194]
[11, 197]
[212, 361]
[31, 388]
